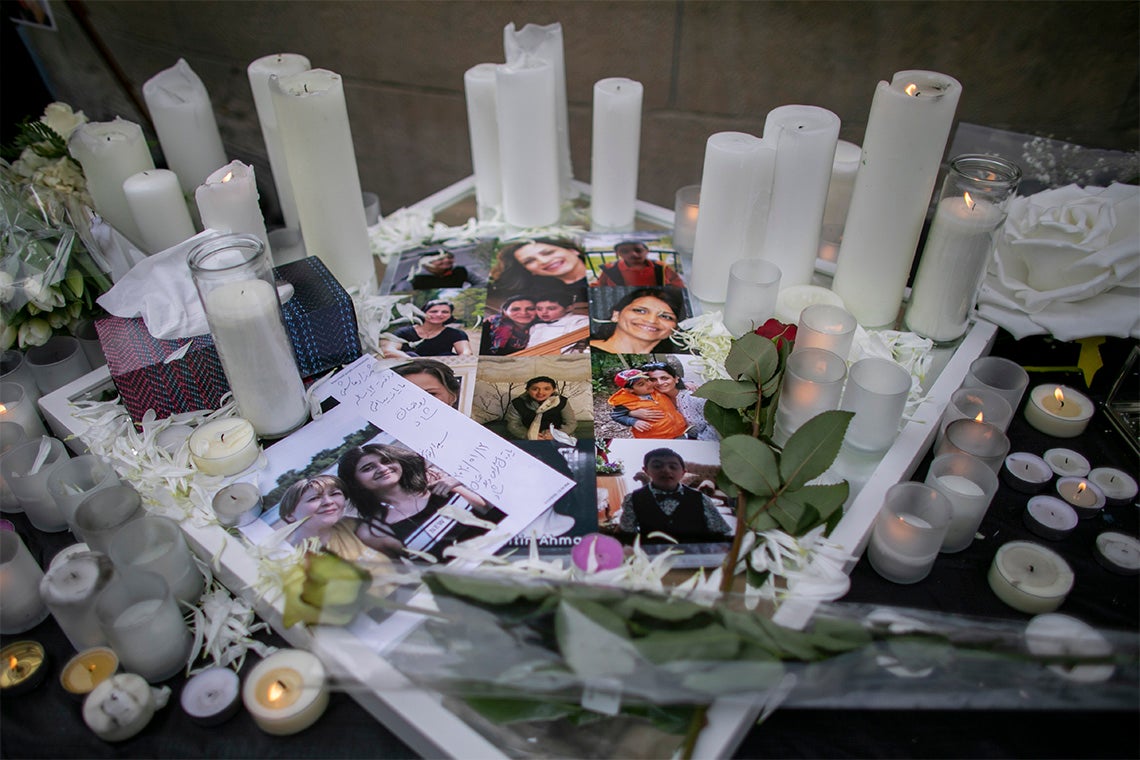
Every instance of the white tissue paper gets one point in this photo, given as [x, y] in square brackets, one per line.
[1067, 262]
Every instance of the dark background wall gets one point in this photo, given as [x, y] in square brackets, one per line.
[1062, 69]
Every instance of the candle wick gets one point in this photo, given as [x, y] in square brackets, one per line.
[1031, 568]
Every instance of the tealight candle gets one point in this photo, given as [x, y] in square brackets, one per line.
[1082, 496]
[1059, 411]
[237, 504]
[1118, 553]
[121, 706]
[1049, 517]
[1059, 636]
[1025, 472]
[224, 447]
[23, 665]
[69, 589]
[1029, 577]
[1067, 463]
[597, 552]
[1118, 486]
[88, 669]
[286, 692]
[211, 697]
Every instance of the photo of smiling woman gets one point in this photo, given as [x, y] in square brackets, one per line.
[432, 337]
[547, 263]
[318, 506]
[509, 330]
[639, 321]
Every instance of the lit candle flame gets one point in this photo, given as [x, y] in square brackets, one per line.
[228, 177]
[12, 663]
[1081, 488]
[911, 89]
[970, 202]
[276, 691]
[980, 417]
[1059, 395]
[3, 408]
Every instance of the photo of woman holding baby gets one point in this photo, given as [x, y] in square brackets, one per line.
[509, 331]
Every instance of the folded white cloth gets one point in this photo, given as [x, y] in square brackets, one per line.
[1067, 262]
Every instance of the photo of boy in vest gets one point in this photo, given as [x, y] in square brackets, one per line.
[530, 415]
[667, 506]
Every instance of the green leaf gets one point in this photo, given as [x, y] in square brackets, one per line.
[759, 518]
[726, 421]
[724, 483]
[750, 464]
[491, 591]
[788, 512]
[666, 609]
[731, 394]
[612, 621]
[824, 499]
[671, 719]
[812, 448]
[504, 710]
[837, 635]
[590, 649]
[735, 677]
[752, 357]
[712, 642]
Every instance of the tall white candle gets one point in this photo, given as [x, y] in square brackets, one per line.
[544, 43]
[805, 139]
[906, 136]
[844, 169]
[259, 72]
[184, 120]
[159, 209]
[483, 128]
[313, 119]
[227, 201]
[735, 189]
[528, 148]
[616, 149]
[111, 151]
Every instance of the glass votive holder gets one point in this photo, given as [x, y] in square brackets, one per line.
[11, 436]
[18, 407]
[876, 391]
[70, 588]
[102, 513]
[978, 439]
[1007, 378]
[826, 326]
[143, 625]
[25, 470]
[980, 404]
[74, 480]
[57, 362]
[14, 369]
[685, 211]
[156, 544]
[908, 532]
[88, 338]
[753, 285]
[21, 608]
[970, 486]
[813, 383]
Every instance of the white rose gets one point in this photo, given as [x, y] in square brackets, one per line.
[7, 287]
[34, 332]
[43, 297]
[62, 120]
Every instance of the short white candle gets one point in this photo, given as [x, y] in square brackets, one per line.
[110, 152]
[69, 589]
[1059, 411]
[259, 72]
[1025, 472]
[528, 143]
[227, 201]
[483, 129]
[1049, 517]
[1118, 552]
[616, 153]
[1082, 495]
[225, 446]
[286, 692]
[1067, 463]
[159, 209]
[237, 504]
[1058, 636]
[1029, 577]
[184, 120]
[121, 706]
[1118, 486]
[212, 696]
[792, 301]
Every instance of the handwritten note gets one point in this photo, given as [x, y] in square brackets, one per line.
[504, 474]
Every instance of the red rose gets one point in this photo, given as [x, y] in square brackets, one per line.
[777, 331]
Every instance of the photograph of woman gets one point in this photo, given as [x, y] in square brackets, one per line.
[399, 501]
[318, 506]
[434, 377]
[564, 330]
[509, 330]
[667, 380]
[530, 415]
[541, 264]
[432, 337]
[642, 321]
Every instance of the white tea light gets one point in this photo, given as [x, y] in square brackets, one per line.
[1118, 552]
[1050, 518]
[237, 504]
[1118, 486]
[286, 692]
[1082, 496]
[1059, 636]
[1029, 577]
[1059, 411]
[1025, 472]
[224, 447]
[212, 696]
[1066, 463]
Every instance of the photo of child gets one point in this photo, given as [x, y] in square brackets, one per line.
[635, 392]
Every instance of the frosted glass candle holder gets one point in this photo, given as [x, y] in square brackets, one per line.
[18, 407]
[70, 588]
[21, 608]
[11, 436]
[156, 544]
[969, 484]
[980, 404]
[1006, 378]
[753, 285]
[25, 470]
[74, 480]
[908, 532]
[876, 391]
[144, 626]
[57, 362]
[14, 369]
[685, 211]
[813, 383]
[826, 326]
[978, 439]
[102, 513]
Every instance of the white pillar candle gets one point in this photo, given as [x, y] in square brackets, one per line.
[805, 139]
[1059, 411]
[184, 120]
[1118, 486]
[1025, 472]
[259, 72]
[286, 692]
[16, 407]
[21, 608]
[483, 129]
[121, 706]
[1118, 552]
[736, 187]
[227, 201]
[69, 589]
[844, 169]
[1049, 517]
[1029, 577]
[110, 152]
[544, 43]
[1053, 635]
[313, 119]
[906, 136]
[159, 209]
[616, 152]
[1066, 463]
[528, 143]
[969, 485]
[224, 447]
[1082, 495]
[212, 696]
